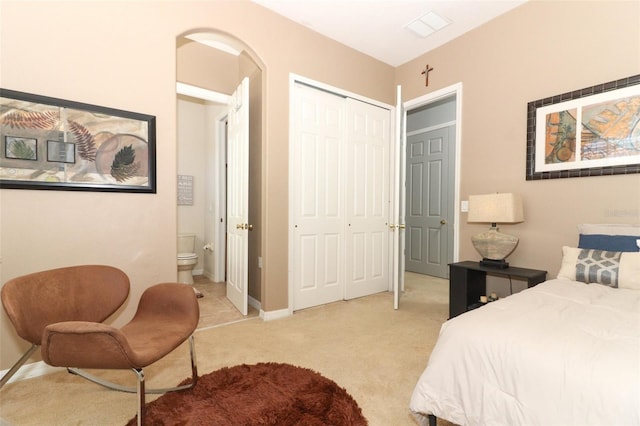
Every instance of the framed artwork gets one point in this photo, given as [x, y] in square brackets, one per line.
[185, 190]
[58, 144]
[61, 152]
[594, 131]
[21, 148]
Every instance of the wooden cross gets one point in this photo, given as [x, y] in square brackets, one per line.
[426, 72]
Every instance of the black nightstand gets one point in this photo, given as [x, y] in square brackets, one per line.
[468, 281]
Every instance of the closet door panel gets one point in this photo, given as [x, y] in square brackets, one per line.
[367, 214]
[318, 206]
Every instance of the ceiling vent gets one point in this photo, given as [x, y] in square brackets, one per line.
[427, 24]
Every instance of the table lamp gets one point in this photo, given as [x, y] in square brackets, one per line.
[493, 245]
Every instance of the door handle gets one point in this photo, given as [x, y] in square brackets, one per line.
[443, 222]
[402, 226]
[392, 226]
[244, 226]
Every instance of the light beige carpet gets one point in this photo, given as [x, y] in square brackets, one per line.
[374, 352]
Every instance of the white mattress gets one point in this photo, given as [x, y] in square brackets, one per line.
[560, 353]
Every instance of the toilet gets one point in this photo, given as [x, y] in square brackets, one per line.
[187, 259]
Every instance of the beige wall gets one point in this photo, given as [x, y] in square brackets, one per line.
[194, 66]
[123, 55]
[535, 51]
[255, 177]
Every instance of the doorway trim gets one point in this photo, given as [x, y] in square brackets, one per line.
[220, 194]
[231, 40]
[454, 89]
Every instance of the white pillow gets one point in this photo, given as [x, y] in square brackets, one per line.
[613, 269]
[610, 229]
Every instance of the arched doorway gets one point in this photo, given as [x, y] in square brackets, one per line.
[210, 61]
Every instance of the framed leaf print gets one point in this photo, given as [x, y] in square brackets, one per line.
[51, 143]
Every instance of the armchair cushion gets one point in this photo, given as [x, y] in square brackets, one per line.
[87, 345]
[167, 315]
[78, 293]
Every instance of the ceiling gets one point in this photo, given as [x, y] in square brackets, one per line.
[377, 27]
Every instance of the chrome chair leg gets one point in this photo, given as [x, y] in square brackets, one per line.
[141, 394]
[17, 365]
[194, 362]
[115, 386]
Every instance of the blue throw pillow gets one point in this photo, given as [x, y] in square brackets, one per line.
[624, 243]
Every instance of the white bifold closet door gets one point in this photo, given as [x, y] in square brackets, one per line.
[368, 205]
[340, 154]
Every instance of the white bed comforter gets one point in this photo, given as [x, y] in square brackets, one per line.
[560, 353]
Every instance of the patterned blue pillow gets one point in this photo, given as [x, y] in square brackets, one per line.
[591, 266]
[598, 266]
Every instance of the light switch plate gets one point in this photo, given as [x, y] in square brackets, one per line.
[464, 206]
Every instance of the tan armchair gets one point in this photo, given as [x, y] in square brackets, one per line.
[62, 310]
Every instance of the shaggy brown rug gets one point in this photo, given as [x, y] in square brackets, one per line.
[260, 394]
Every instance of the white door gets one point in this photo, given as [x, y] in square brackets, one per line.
[368, 204]
[398, 221]
[318, 197]
[238, 197]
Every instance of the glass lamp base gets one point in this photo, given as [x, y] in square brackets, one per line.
[493, 245]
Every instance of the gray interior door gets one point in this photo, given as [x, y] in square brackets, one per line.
[429, 215]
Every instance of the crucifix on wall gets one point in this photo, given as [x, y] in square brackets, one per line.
[426, 72]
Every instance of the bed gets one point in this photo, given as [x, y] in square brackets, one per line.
[565, 352]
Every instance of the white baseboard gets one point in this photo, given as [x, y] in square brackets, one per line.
[273, 315]
[255, 303]
[197, 272]
[28, 371]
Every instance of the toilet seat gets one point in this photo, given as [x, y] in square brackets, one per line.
[187, 256]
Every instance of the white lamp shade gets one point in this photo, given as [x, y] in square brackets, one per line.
[496, 208]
